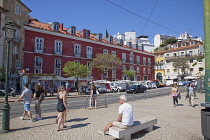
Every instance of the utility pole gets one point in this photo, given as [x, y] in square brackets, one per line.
[205, 113]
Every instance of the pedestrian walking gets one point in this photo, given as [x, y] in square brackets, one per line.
[27, 95]
[67, 87]
[125, 116]
[38, 100]
[175, 94]
[51, 90]
[93, 96]
[191, 94]
[61, 107]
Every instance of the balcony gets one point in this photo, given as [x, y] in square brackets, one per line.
[184, 56]
[160, 66]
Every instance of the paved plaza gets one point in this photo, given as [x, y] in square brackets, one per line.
[173, 123]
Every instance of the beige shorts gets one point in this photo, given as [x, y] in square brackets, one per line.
[120, 125]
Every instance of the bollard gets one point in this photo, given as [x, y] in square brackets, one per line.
[86, 102]
[133, 96]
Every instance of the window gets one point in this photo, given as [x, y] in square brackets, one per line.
[138, 70]
[114, 73]
[57, 72]
[138, 60]
[124, 57]
[175, 70]
[167, 55]
[149, 71]
[191, 60]
[161, 55]
[168, 70]
[123, 67]
[17, 9]
[89, 52]
[106, 74]
[16, 50]
[56, 26]
[89, 65]
[144, 61]
[190, 53]
[114, 52]
[149, 61]
[183, 44]
[58, 47]
[37, 70]
[131, 58]
[77, 50]
[77, 61]
[192, 43]
[18, 64]
[17, 36]
[144, 70]
[132, 67]
[175, 54]
[191, 69]
[105, 51]
[201, 69]
[200, 60]
[39, 45]
[182, 53]
[38, 61]
[57, 63]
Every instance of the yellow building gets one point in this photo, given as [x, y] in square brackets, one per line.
[159, 66]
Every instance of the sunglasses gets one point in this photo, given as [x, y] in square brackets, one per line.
[119, 99]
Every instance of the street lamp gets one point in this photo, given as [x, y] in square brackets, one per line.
[9, 34]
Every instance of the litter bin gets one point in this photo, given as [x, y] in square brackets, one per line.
[205, 123]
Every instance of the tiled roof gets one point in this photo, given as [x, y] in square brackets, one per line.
[45, 26]
[177, 49]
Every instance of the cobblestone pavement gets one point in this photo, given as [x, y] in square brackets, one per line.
[173, 123]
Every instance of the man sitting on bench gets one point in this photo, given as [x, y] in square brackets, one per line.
[125, 116]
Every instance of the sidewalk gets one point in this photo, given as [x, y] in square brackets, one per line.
[174, 123]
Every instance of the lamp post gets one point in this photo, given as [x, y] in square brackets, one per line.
[9, 34]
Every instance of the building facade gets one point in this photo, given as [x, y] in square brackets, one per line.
[18, 13]
[49, 46]
[189, 52]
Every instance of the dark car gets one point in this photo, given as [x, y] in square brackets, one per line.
[136, 88]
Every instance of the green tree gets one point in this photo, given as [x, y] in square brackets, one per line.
[182, 64]
[74, 69]
[107, 62]
[163, 44]
[170, 41]
[130, 73]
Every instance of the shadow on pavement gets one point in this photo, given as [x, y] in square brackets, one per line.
[49, 117]
[141, 133]
[78, 125]
[77, 120]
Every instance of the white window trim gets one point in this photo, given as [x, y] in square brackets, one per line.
[105, 51]
[58, 52]
[39, 70]
[58, 72]
[79, 50]
[17, 9]
[40, 62]
[57, 64]
[18, 64]
[114, 73]
[89, 52]
[42, 45]
[124, 57]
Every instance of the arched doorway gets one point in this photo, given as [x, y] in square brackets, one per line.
[159, 76]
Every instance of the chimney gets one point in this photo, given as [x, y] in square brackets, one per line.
[61, 27]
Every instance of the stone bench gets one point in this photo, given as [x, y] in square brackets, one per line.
[145, 123]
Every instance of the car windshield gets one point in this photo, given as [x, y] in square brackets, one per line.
[133, 86]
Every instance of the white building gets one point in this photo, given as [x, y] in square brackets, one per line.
[159, 39]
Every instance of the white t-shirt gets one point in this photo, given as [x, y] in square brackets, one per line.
[27, 94]
[127, 114]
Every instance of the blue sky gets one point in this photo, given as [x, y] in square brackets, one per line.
[169, 17]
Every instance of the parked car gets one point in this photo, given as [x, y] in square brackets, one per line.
[136, 88]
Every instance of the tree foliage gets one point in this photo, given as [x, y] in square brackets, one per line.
[130, 73]
[181, 63]
[170, 41]
[163, 44]
[106, 61]
[74, 69]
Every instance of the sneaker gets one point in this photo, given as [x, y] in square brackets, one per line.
[21, 118]
[101, 133]
[174, 105]
[31, 121]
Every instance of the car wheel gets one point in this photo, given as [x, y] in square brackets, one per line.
[2, 93]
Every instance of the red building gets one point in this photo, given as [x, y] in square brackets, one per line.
[49, 46]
